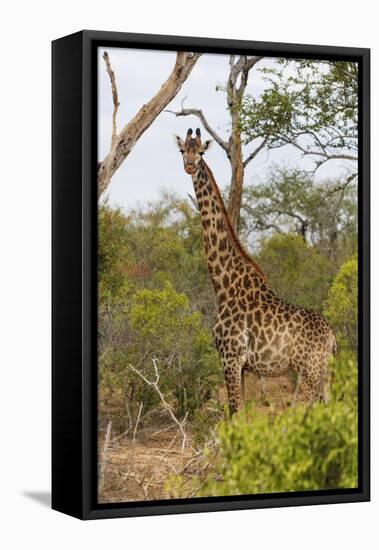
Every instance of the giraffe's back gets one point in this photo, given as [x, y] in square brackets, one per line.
[282, 336]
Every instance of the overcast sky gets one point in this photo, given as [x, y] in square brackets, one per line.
[155, 163]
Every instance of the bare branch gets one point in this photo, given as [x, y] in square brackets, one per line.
[182, 102]
[133, 130]
[241, 67]
[246, 66]
[137, 422]
[260, 226]
[199, 113]
[194, 203]
[341, 187]
[324, 155]
[255, 152]
[249, 64]
[114, 96]
[167, 407]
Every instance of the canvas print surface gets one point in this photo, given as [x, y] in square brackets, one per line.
[227, 275]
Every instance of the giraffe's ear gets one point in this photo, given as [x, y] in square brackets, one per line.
[207, 144]
[179, 142]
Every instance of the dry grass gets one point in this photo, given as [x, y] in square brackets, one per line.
[138, 470]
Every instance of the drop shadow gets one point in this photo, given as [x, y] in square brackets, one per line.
[42, 497]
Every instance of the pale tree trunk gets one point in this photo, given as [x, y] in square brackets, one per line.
[236, 186]
[123, 142]
[236, 86]
[239, 70]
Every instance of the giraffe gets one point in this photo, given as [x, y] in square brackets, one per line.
[255, 330]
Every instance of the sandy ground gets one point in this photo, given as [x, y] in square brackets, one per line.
[139, 469]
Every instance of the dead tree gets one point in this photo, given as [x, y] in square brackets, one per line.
[122, 142]
[235, 89]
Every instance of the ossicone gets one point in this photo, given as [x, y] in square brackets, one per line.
[189, 135]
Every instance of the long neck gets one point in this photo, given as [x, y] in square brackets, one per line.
[225, 256]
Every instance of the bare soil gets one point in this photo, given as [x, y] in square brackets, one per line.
[139, 469]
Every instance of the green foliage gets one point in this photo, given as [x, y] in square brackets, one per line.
[112, 249]
[295, 451]
[325, 215]
[155, 304]
[165, 329]
[158, 326]
[344, 375]
[342, 304]
[165, 244]
[315, 99]
[296, 271]
[157, 312]
[299, 449]
[143, 316]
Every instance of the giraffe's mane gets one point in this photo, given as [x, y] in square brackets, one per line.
[229, 228]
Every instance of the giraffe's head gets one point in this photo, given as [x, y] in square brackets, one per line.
[192, 149]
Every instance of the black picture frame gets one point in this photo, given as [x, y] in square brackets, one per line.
[74, 295]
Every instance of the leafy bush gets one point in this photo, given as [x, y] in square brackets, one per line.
[165, 244]
[157, 324]
[342, 304]
[295, 451]
[164, 328]
[155, 301]
[344, 371]
[296, 271]
[112, 249]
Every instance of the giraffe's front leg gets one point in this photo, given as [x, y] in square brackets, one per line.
[232, 374]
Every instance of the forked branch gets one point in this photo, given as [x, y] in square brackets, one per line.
[123, 142]
[200, 115]
[155, 384]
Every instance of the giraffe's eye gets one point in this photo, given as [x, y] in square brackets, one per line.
[201, 153]
[181, 151]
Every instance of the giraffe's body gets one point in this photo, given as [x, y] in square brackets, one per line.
[255, 330]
